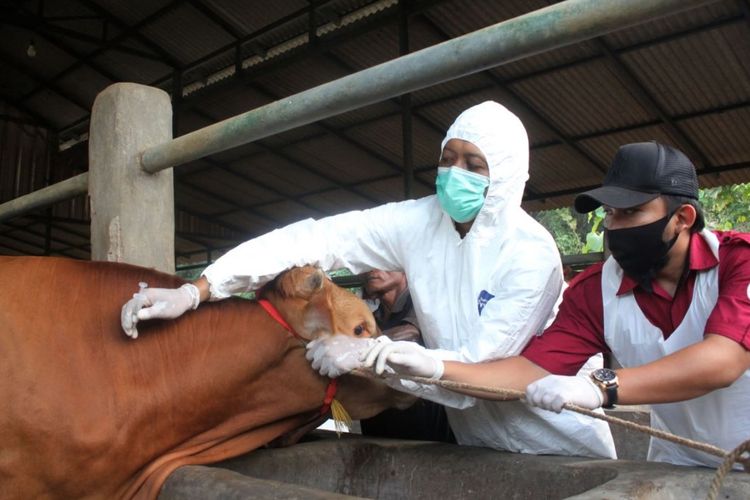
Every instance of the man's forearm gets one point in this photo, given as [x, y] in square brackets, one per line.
[714, 363]
[510, 373]
[203, 288]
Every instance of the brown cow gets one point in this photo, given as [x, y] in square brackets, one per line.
[88, 412]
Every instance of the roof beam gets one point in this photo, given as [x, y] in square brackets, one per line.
[17, 119]
[745, 7]
[38, 23]
[209, 218]
[217, 19]
[156, 83]
[127, 31]
[347, 185]
[46, 84]
[418, 7]
[321, 46]
[279, 152]
[57, 223]
[41, 121]
[302, 12]
[332, 130]
[133, 31]
[215, 164]
[221, 199]
[16, 227]
[66, 48]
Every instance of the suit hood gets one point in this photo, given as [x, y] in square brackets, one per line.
[502, 138]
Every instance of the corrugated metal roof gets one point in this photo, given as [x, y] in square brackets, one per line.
[248, 18]
[723, 138]
[132, 68]
[582, 99]
[677, 23]
[133, 12]
[559, 168]
[59, 110]
[578, 103]
[186, 34]
[83, 84]
[48, 61]
[707, 70]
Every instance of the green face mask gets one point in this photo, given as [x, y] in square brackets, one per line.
[460, 192]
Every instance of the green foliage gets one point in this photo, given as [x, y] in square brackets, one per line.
[562, 225]
[190, 274]
[724, 207]
[595, 237]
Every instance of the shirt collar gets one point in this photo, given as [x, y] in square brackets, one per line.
[700, 258]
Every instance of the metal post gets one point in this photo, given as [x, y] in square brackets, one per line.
[407, 146]
[545, 29]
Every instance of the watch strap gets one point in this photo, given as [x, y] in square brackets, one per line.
[611, 392]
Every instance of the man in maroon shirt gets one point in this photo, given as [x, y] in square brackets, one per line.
[672, 305]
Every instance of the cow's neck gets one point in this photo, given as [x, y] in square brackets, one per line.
[213, 383]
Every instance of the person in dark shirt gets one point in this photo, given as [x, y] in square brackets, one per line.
[396, 318]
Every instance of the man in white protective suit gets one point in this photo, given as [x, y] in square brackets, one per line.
[484, 277]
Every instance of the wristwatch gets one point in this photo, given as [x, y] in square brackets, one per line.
[606, 379]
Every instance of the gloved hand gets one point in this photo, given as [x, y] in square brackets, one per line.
[406, 358]
[553, 391]
[335, 355]
[164, 303]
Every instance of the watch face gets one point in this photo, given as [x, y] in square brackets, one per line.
[604, 375]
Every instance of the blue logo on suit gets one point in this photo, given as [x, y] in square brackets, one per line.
[484, 297]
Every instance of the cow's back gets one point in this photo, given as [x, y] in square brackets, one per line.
[86, 408]
[62, 360]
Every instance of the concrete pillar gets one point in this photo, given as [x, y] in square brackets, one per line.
[132, 211]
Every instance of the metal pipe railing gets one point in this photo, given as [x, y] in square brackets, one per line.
[63, 190]
[545, 29]
[542, 30]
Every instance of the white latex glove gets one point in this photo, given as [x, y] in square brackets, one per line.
[335, 355]
[553, 391]
[406, 358]
[163, 303]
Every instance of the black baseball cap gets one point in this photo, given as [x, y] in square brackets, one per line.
[639, 173]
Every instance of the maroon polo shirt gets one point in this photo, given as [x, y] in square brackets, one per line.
[578, 330]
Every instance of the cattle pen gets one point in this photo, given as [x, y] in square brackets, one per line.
[130, 184]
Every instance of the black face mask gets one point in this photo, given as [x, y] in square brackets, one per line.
[641, 251]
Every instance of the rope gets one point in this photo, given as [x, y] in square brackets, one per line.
[726, 466]
[500, 394]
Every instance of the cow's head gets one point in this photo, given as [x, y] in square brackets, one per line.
[313, 305]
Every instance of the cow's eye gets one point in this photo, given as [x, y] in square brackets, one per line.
[359, 330]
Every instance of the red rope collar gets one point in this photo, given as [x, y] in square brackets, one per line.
[333, 384]
[330, 395]
[274, 313]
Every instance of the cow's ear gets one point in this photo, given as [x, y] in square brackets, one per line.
[309, 281]
[300, 282]
[317, 316]
[314, 282]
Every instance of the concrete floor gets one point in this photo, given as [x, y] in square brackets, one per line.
[355, 466]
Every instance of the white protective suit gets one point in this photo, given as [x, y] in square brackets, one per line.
[477, 298]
